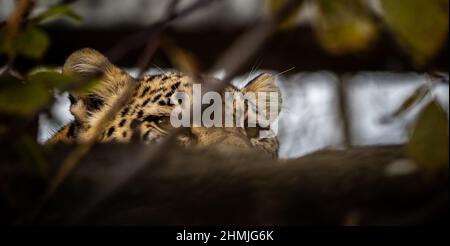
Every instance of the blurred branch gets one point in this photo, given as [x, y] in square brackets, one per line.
[153, 40]
[136, 40]
[22, 10]
[13, 23]
[343, 109]
[249, 43]
[327, 187]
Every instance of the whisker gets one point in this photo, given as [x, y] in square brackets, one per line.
[285, 71]
[254, 69]
[157, 67]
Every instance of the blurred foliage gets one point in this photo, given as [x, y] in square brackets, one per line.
[290, 20]
[25, 97]
[23, 36]
[428, 145]
[31, 42]
[344, 26]
[57, 11]
[351, 26]
[22, 97]
[421, 27]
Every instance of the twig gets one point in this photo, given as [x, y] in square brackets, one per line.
[14, 22]
[343, 107]
[136, 40]
[153, 41]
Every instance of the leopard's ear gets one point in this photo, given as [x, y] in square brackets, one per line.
[265, 83]
[87, 64]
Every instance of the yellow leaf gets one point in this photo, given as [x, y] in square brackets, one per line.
[344, 26]
[420, 27]
[428, 144]
[182, 59]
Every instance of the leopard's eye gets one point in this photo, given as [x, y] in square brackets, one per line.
[164, 122]
[162, 119]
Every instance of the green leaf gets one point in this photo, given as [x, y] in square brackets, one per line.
[26, 97]
[428, 144]
[50, 79]
[6, 46]
[32, 42]
[420, 27]
[85, 86]
[344, 26]
[17, 97]
[62, 10]
[55, 80]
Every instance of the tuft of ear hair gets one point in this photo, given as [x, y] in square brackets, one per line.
[265, 83]
[87, 64]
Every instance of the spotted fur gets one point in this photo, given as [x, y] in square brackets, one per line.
[146, 115]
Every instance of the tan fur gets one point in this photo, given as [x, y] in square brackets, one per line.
[145, 115]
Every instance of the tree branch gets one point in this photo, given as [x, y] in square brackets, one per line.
[347, 187]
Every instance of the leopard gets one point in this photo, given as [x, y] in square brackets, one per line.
[145, 116]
